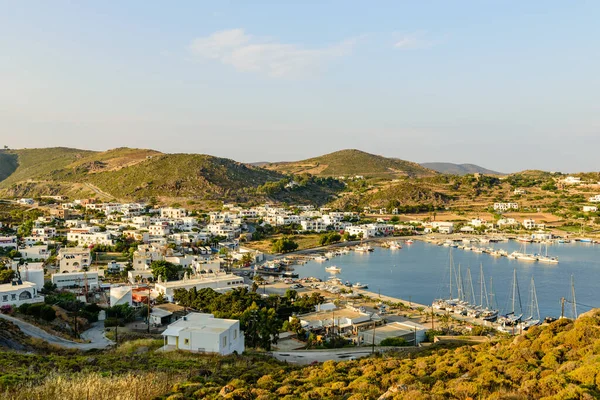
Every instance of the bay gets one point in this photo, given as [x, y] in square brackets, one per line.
[420, 273]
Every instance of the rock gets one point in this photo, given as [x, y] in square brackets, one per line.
[392, 391]
[225, 390]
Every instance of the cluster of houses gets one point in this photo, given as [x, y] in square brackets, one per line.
[473, 225]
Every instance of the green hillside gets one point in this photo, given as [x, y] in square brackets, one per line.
[181, 175]
[351, 163]
[140, 174]
[39, 164]
[8, 164]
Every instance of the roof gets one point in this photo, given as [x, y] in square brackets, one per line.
[9, 287]
[171, 307]
[161, 313]
[199, 322]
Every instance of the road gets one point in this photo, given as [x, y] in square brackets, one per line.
[95, 334]
[310, 356]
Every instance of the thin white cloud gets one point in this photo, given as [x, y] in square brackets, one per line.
[252, 54]
[412, 41]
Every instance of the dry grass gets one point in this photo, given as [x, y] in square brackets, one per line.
[304, 242]
[96, 387]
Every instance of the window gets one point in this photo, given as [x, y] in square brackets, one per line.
[13, 296]
[224, 341]
[234, 334]
[5, 298]
[186, 341]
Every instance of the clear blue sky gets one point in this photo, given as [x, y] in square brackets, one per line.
[507, 85]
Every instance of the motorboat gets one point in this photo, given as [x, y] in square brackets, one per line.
[359, 285]
[333, 268]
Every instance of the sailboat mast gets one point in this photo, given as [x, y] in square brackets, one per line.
[473, 299]
[451, 272]
[514, 289]
[481, 284]
[535, 305]
[492, 296]
[573, 297]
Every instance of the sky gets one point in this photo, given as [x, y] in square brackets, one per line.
[508, 85]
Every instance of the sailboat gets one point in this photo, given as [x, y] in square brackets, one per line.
[511, 319]
[487, 313]
[450, 302]
[533, 318]
[547, 259]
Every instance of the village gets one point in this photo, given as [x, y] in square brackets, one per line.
[114, 254]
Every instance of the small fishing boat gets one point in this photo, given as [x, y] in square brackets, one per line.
[333, 268]
[359, 285]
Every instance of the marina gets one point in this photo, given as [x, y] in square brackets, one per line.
[418, 272]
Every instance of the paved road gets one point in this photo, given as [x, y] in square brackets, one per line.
[310, 356]
[94, 334]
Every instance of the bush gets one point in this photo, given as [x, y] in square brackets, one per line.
[393, 341]
[47, 313]
[35, 310]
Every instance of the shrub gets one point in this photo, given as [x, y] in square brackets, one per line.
[47, 313]
[394, 341]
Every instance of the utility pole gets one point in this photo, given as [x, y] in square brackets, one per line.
[562, 307]
[432, 314]
[373, 341]
[148, 309]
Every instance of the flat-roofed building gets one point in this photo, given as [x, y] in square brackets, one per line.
[204, 333]
[220, 282]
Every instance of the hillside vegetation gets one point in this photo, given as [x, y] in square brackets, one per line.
[129, 174]
[38, 164]
[8, 164]
[351, 163]
[557, 361]
[458, 169]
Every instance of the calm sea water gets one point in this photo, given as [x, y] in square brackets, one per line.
[420, 273]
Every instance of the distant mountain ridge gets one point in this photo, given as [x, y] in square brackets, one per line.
[352, 162]
[459, 169]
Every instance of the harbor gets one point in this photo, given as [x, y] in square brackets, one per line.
[414, 273]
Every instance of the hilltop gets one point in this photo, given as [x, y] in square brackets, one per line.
[458, 169]
[351, 163]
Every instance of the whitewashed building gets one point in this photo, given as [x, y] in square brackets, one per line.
[506, 206]
[204, 333]
[218, 282]
[73, 259]
[76, 280]
[8, 241]
[17, 293]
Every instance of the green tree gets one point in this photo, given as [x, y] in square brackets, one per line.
[165, 269]
[284, 245]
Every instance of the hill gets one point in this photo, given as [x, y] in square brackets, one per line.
[141, 174]
[459, 169]
[351, 163]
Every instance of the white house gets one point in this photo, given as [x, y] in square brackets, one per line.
[172, 213]
[27, 202]
[529, 224]
[17, 293]
[120, 295]
[8, 241]
[204, 333]
[590, 208]
[218, 282]
[90, 238]
[571, 180]
[75, 280]
[316, 225]
[506, 206]
[35, 252]
[595, 199]
[73, 259]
